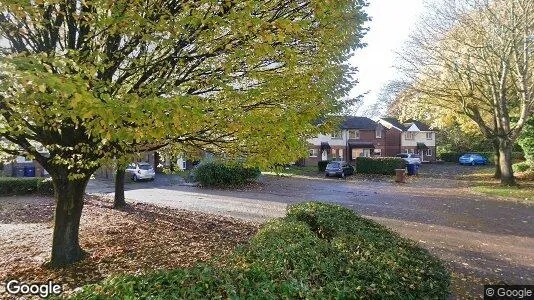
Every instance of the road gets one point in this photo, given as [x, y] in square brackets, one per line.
[481, 240]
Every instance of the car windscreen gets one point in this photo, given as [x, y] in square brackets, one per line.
[402, 155]
[332, 165]
[416, 156]
[145, 167]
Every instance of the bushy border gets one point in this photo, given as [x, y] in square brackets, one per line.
[11, 186]
[379, 165]
[221, 174]
[318, 251]
[321, 165]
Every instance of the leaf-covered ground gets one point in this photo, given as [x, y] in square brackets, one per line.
[136, 239]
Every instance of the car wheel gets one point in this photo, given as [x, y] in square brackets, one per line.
[473, 163]
[134, 178]
[326, 175]
[152, 179]
[342, 174]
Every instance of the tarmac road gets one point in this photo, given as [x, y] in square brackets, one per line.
[482, 240]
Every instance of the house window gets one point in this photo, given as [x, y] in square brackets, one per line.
[378, 152]
[354, 134]
[340, 153]
[313, 152]
[429, 135]
[337, 135]
[409, 135]
[412, 151]
[429, 152]
[378, 133]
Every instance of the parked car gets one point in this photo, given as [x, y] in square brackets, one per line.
[473, 159]
[410, 158]
[339, 168]
[141, 171]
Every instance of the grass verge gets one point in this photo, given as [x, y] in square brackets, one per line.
[524, 193]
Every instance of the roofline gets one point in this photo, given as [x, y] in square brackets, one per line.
[380, 119]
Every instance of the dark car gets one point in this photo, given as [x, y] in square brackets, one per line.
[472, 159]
[339, 168]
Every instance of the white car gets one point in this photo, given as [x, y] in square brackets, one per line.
[410, 158]
[141, 171]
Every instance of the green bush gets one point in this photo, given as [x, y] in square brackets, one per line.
[449, 156]
[522, 166]
[321, 165]
[318, 251]
[379, 165]
[45, 187]
[10, 186]
[218, 173]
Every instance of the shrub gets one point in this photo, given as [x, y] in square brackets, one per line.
[321, 165]
[10, 186]
[379, 165]
[217, 173]
[45, 187]
[318, 251]
[17, 186]
[522, 166]
[450, 156]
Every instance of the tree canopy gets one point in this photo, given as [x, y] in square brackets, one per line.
[475, 59]
[93, 79]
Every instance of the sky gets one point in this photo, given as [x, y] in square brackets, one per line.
[390, 28]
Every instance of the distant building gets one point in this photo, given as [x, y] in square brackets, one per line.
[361, 136]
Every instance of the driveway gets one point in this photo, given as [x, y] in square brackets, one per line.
[480, 239]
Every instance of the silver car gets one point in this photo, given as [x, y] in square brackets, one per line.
[141, 171]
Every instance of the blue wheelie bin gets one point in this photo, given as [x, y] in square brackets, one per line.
[411, 169]
[29, 171]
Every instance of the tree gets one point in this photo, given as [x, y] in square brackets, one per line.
[92, 80]
[475, 58]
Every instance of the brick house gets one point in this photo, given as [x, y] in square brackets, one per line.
[361, 136]
[415, 137]
[357, 136]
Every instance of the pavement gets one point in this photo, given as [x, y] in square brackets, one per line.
[482, 240]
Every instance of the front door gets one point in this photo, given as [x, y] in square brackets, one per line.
[324, 155]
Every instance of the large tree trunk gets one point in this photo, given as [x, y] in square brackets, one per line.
[119, 200]
[505, 162]
[496, 160]
[69, 204]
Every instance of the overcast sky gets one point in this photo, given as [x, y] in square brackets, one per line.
[392, 22]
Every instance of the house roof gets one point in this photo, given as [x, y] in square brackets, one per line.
[359, 123]
[421, 126]
[395, 123]
[406, 125]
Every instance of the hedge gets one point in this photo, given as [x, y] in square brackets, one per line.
[321, 165]
[379, 165]
[318, 251]
[11, 186]
[218, 173]
[454, 156]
